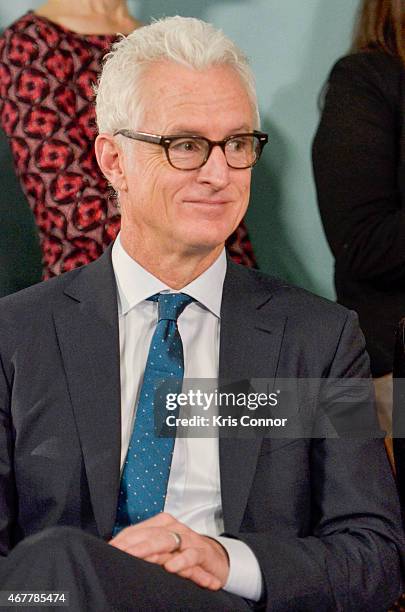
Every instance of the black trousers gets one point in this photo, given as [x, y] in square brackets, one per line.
[101, 578]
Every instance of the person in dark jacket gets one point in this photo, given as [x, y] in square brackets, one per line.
[359, 163]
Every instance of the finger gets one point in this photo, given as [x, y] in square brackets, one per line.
[190, 557]
[204, 579]
[166, 542]
[160, 520]
[158, 545]
[163, 519]
[134, 533]
[146, 542]
[201, 577]
[196, 563]
[158, 559]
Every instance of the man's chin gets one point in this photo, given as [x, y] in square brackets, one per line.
[207, 237]
[203, 247]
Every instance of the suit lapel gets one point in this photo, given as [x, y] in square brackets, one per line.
[251, 336]
[87, 331]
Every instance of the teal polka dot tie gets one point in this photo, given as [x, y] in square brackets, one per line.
[147, 465]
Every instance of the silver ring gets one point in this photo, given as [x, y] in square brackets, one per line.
[177, 539]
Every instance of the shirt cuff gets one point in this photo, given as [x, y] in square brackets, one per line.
[245, 577]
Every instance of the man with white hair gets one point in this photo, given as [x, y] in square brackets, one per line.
[92, 501]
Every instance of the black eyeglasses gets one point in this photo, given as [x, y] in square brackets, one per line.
[192, 152]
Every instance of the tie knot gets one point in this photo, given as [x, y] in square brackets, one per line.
[171, 305]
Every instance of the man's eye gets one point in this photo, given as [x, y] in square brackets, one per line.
[186, 146]
[238, 144]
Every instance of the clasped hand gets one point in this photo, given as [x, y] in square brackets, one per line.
[199, 558]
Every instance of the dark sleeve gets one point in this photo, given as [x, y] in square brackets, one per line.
[7, 484]
[20, 256]
[352, 558]
[398, 414]
[355, 162]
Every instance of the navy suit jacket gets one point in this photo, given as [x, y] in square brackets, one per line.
[321, 515]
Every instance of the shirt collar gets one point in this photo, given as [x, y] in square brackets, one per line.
[135, 284]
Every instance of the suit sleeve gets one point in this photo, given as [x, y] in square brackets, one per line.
[351, 558]
[398, 411]
[7, 484]
[355, 162]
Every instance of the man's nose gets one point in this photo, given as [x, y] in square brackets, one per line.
[216, 170]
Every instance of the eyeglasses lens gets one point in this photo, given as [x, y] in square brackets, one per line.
[191, 153]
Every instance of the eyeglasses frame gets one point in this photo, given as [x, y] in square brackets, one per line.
[165, 142]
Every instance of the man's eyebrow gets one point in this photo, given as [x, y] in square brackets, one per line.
[241, 129]
[188, 132]
[184, 132]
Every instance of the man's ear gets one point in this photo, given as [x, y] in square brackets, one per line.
[110, 159]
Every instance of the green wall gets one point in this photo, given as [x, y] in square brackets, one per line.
[292, 45]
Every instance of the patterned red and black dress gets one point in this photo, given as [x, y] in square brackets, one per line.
[47, 110]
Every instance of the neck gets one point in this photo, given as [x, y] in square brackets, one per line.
[176, 269]
[90, 16]
[109, 8]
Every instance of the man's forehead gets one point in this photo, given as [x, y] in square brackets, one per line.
[181, 94]
[168, 78]
[171, 68]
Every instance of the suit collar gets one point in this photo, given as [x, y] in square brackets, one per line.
[136, 284]
[247, 317]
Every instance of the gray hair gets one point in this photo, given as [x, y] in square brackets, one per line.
[185, 40]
